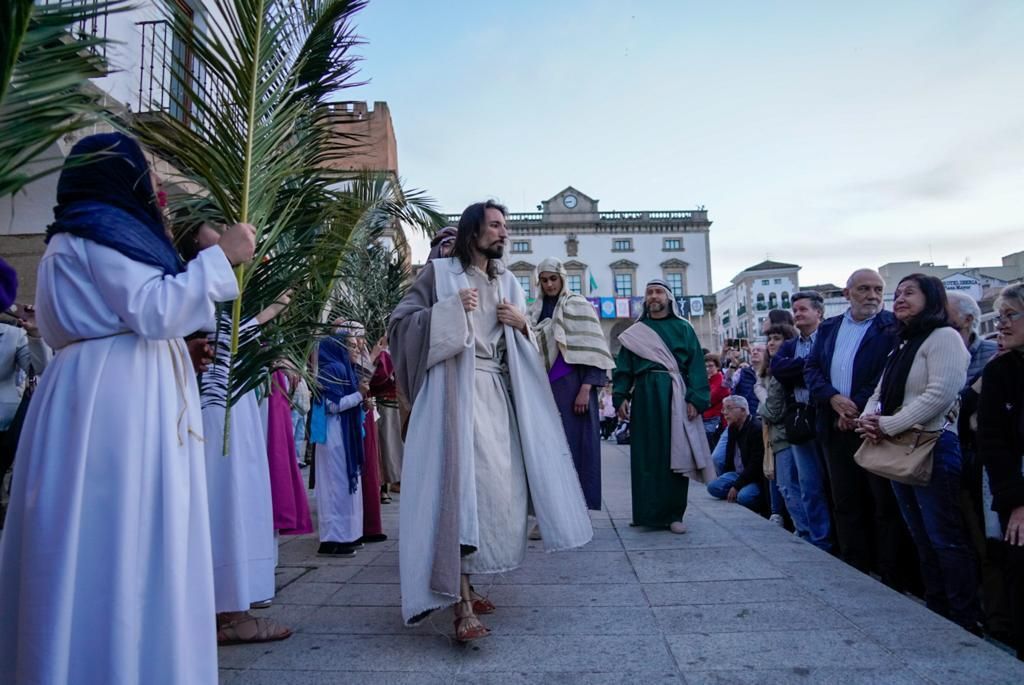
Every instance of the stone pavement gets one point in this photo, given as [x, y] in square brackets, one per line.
[735, 600]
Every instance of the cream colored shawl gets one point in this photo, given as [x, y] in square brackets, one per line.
[573, 329]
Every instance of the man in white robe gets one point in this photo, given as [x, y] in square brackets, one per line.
[466, 361]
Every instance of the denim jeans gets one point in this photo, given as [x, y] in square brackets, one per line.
[810, 473]
[775, 498]
[749, 496]
[718, 454]
[789, 486]
[932, 513]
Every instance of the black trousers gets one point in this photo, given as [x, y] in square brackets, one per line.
[870, 529]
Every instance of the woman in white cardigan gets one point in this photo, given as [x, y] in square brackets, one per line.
[920, 388]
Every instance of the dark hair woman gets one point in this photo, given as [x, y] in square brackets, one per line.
[920, 387]
[108, 531]
[1001, 443]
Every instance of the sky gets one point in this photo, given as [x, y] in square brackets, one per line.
[833, 135]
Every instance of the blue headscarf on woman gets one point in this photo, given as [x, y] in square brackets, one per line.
[338, 378]
[110, 200]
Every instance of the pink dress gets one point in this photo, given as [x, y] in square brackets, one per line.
[287, 491]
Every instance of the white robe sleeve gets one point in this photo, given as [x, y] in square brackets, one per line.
[345, 403]
[449, 330]
[156, 306]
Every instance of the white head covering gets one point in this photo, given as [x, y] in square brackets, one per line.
[673, 303]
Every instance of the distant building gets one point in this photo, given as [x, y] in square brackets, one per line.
[835, 303]
[972, 280]
[743, 306]
[610, 256]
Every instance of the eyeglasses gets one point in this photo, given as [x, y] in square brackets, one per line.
[1009, 318]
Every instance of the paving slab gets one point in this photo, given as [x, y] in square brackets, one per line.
[735, 600]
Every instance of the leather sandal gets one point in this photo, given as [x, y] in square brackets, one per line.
[262, 630]
[481, 605]
[467, 626]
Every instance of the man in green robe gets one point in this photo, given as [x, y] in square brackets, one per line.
[650, 373]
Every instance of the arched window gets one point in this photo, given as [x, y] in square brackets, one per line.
[773, 301]
[760, 302]
[785, 300]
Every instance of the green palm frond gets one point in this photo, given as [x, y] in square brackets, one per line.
[43, 69]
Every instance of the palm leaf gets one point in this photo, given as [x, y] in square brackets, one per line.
[43, 69]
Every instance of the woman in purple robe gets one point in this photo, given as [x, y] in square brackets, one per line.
[576, 355]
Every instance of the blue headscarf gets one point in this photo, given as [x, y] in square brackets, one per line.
[110, 200]
[337, 378]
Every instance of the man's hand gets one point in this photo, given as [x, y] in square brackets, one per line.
[469, 298]
[27, 319]
[732, 495]
[510, 315]
[691, 411]
[623, 411]
[239, 243]
[201, 353]
[844, 406]
[582, 402]
[364, 389]
[845, 424]
[1015, 527]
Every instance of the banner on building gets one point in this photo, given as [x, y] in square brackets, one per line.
[607, 307]
[621, 307]
[696, 306]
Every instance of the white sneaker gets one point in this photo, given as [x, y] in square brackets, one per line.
[677, 527]
[778, 520]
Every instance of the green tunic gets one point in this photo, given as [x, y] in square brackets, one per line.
[659, 495]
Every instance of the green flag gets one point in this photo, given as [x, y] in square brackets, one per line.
[593, 283]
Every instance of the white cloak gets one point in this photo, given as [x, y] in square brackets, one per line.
[105, 568]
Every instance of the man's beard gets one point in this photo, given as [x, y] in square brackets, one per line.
[495, 251]
[656, 307]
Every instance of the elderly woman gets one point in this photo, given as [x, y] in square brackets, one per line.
[106, 574]
[919, 388]
[1001, 442]
[577, 359]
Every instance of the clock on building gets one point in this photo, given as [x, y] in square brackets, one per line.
[569, 201]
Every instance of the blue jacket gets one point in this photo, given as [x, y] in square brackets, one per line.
[787, 368]
[744, 386]
[878, 342]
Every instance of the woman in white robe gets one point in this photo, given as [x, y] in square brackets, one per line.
[105, 569]
[238, 487]
[339, 458]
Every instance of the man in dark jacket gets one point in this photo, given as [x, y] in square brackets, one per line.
[742, 480]
[841, 373]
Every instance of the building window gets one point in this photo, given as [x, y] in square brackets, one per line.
[675, 282]
[524, 281]
[785, 300]
[575, 283]
[520, 246]
[766, 282]
[622, 245]
[672, 244]
[773, 302]
[624, 284]
[725, 318]
[761, 306]
[778, 281]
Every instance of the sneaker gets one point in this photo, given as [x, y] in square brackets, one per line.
[777, 520]
[369, 539]
[263, 604]
[677, 527]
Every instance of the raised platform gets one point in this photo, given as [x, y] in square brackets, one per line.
[735, 600]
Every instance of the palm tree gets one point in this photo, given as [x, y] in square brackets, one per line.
[259, 140]
[43, 68]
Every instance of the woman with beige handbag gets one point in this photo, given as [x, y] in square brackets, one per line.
[910, 409]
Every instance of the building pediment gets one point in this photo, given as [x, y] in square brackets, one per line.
[521, 266]
[674, 264]
[574, 265]
[623, 264]
[569, 190]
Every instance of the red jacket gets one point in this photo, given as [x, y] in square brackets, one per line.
[718, 393]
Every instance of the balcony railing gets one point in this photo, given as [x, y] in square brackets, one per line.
[94, 27]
